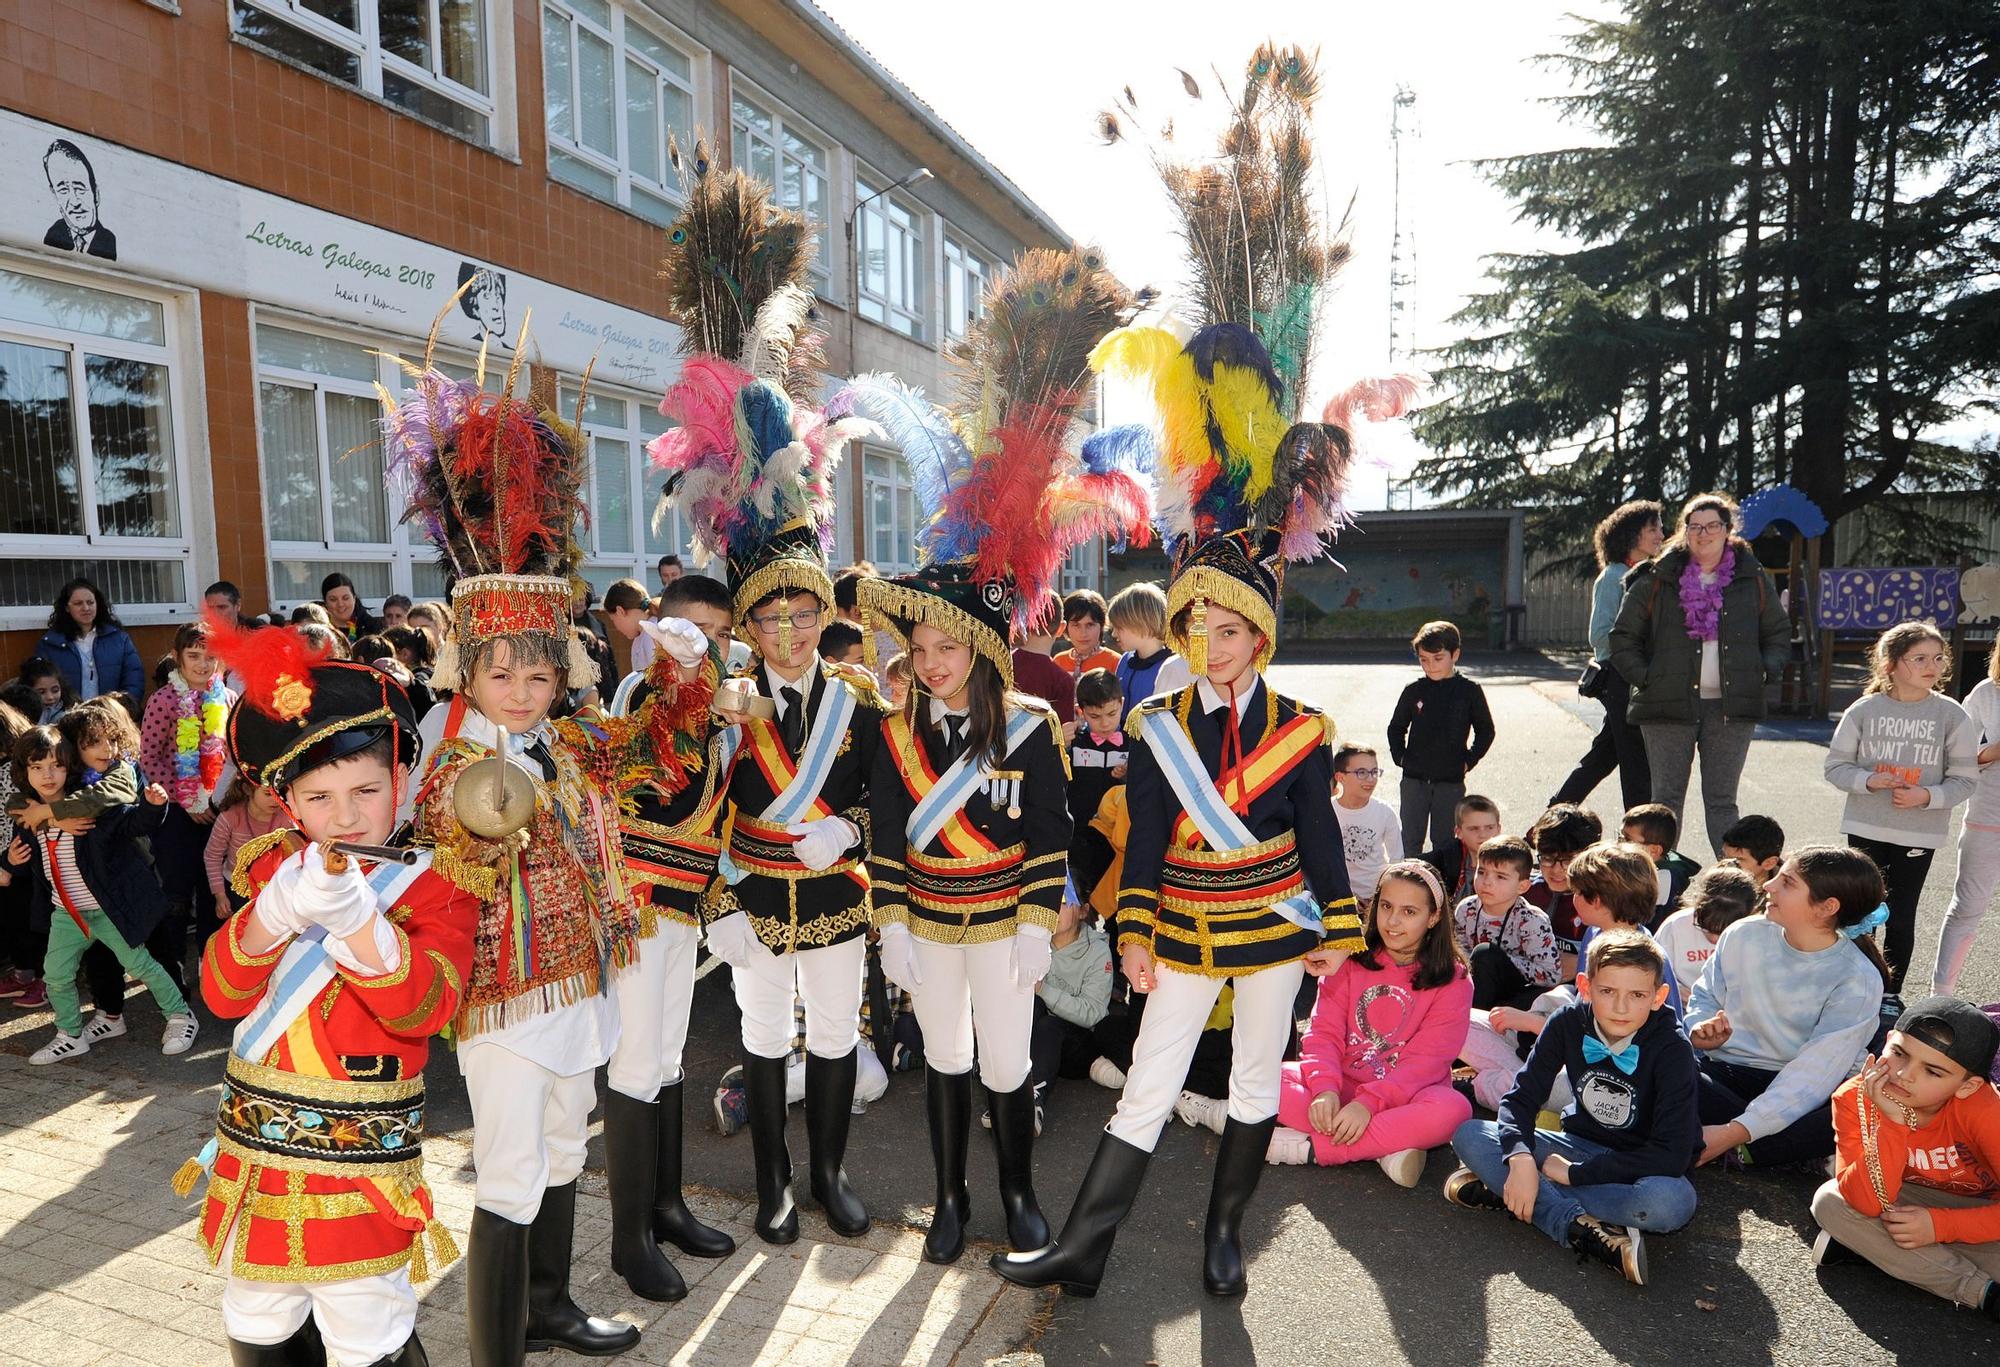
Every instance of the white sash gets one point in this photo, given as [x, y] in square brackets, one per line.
[308, 967]
[955, 786]
[822, 748]
[1218, 823]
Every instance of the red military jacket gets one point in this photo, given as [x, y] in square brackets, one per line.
[319, 1143]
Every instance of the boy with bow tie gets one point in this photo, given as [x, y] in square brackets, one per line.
[1619, 1167]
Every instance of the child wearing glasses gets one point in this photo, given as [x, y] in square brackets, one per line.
[1370, 832]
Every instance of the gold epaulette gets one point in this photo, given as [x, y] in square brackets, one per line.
[1306, 709]
[1135, 724]
[860, 680]
[256, 848]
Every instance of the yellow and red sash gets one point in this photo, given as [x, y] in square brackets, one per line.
[1259, 772]
[961, 838]
[767, 747]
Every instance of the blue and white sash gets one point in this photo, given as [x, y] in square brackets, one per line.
[307, 967]
[822, 748]
[956, 785]
[1219, 825]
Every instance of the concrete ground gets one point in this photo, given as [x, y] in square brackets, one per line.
[1344, 1266]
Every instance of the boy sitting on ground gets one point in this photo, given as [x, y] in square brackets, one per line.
[1756, 844]
[1654, 828]
[1507, 942]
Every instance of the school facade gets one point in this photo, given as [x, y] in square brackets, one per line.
[224, 223]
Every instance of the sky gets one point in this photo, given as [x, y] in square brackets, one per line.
[1023, 81]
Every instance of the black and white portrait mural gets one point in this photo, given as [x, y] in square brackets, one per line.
[73, 184]
[485, 303]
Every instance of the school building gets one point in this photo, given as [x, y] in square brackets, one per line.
[224, 222]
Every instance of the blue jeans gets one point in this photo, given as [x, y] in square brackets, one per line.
[1658, 1205]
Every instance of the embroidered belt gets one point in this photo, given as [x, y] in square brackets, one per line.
[964, 886]
[1211, 881]
[330, 1126]
[686, 860]
[762, 847]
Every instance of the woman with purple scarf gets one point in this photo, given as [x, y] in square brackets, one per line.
[1700, 632]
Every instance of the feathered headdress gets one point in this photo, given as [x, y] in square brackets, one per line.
[1244, 485]
[495, 482]
[750, 459]
[1004, 492]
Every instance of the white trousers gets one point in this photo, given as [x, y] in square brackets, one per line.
[361, 1319]
[827, 979]
[529, 1128]
[1971, 895]
[871, 1080]
[1492, 1053]
[968, 996]
[653, 997]
[1176, 1009]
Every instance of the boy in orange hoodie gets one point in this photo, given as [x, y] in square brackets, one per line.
[1918, 1149]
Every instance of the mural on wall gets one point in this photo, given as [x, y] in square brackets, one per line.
[485, 303]
[1877, 599]
[1386, 592]
[73, 183]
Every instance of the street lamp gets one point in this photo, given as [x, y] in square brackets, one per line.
[922, 173]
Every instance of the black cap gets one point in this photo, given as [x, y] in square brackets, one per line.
[1955, 1028]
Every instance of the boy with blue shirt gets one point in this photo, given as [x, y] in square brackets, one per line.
[1619, 1167]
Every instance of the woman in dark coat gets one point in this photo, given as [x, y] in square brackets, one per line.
[88, 646]
[1700, 632]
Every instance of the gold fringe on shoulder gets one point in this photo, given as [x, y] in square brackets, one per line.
[256, 848]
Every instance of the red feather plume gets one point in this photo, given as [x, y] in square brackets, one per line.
[274, 663]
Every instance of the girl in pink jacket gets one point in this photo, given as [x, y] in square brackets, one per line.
[1373, 1078]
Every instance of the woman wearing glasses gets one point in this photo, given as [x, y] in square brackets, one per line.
[1700, 632]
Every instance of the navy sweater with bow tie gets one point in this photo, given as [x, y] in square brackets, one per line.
[1649, 1120]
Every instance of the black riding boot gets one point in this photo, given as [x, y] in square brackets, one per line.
[302, 1349]
[1014, 1147]
[673, 1222]
[496, 1291]
[829, 1107]
[411, 1354]
[764, 1097]
[1237, 1168]
[948, 1101]
[1075, 1261]
[631, 1147]
[554, 1321]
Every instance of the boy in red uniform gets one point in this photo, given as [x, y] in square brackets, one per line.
[338, 971]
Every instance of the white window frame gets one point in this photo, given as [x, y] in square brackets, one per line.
[978, 270]
[902, 492]
[366, 44]
[91, 544]
[875, 209]
[619, 167]
[639, 561]
[784, 121]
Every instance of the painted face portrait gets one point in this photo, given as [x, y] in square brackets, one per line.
[485, 303]
[76, 196]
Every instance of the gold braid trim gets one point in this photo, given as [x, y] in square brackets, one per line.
[903, 608]
[1207, 584]
[256, 848]
[479, 880]
[277, 766]
[789, 573]
[432, 997]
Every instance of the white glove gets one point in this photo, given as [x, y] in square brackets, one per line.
[822, 842]
[1032, 955]
[679, 638]
[275, 911]
[731, 940]
[342, 902]
[899, 957]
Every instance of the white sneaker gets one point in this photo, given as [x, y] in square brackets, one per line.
[1289, 1146]
[179, 1035]
[103, 1027]
[60, 1048]
[1105, 1073]
[1405, 1166]
[1204, 1112]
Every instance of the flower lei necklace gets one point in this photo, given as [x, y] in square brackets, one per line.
[1701, 603]
[198, 740]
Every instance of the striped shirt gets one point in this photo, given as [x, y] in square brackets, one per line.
[59, 864]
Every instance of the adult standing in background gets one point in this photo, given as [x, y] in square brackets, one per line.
[342, 602]
[1633, 532]
[87, 644]
[1699, 633]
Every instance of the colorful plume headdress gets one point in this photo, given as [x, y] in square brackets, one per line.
[1004, 489]
[1244, 484]
[751, 457]
[496, 484]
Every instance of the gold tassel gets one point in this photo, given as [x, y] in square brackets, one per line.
[785, 633]
[443, 1247]
[186, 1176]
[1197, 636]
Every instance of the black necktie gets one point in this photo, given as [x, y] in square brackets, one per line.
[954, 741]
[795, 720]
[538, 753]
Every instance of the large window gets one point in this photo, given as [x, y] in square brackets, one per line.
[88, 442]
[890, 237]
[615, 91]
[891, 510]
[619, 537]
[431, 58]
[775, 148]
[966, 274]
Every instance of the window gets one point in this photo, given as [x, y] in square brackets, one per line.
[775, 148]
[966, 274]
[89, 439]
[891, 505]
[615, 92]
[890, 237]
[619, 539]
[1083, 567]
[431, 58]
